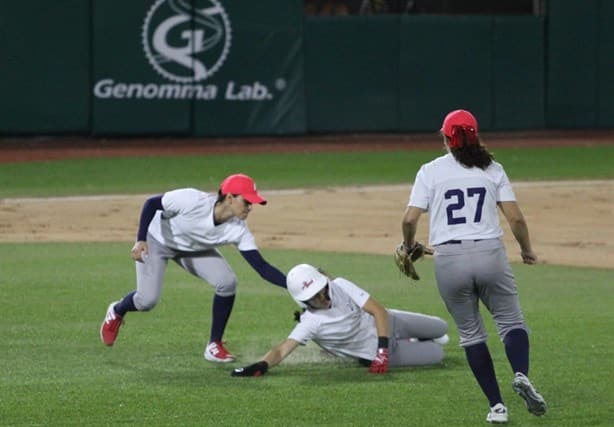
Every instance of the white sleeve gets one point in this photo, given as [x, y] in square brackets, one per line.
[247, 242]
[176, 201]
[305, 331]
[505, 193]
[356, 293]
[419, 196]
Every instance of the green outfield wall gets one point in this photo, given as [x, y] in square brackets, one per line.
[225, 68]
[580, 57]
[45, 66]
[197, 68]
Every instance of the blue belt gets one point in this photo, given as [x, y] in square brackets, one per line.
[457, 242]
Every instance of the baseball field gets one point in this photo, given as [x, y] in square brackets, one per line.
[68, 215]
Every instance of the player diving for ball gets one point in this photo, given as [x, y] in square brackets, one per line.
[344, 320]
[186, 226]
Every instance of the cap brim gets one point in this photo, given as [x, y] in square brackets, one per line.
[254, 198]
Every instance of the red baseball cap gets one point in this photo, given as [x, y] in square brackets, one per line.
[242, 185]
[458, 118]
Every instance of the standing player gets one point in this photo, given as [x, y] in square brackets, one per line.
[462, 190]
[186, 226]
[346, 321]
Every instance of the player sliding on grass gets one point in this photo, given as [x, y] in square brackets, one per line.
[187, 226]
[346, 321]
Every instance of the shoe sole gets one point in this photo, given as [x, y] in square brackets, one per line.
[215, 359]
[534, 401]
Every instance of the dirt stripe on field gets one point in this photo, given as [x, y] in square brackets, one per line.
[569, 221]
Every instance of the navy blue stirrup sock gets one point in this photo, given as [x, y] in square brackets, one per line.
[125, 305]
[222, 306]
[483, 370]
[517, 350]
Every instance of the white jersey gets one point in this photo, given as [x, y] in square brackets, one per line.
[345, 329]
[462, 202]
[186, 223]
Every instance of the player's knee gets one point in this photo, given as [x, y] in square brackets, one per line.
[472, 336]
[227, 286]
[440, 326]
[145, 302]
[505, 326]
[468, 341]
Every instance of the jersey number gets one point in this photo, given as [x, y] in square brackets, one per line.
[459, 202]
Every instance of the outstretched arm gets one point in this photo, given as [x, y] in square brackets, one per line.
[279, 353]
[272, 358]
[264, 269]
[520, 230]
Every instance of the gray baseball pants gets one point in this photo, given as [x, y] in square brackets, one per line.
[468, 272]
[406, 329]
[209, 265]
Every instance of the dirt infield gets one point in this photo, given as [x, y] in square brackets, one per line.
[570, 222]
[318, 219]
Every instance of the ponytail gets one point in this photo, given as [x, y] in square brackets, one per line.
[463, 135]
[467, 149]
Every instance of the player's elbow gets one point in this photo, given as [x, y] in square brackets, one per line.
[517, 223]
[411, 216]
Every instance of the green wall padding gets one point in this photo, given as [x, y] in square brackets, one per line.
[518, 73]
[119, 57]
[605, 66]
[198, 67]
[224, 68]
[45, 67]
[445, 65]
[572, 59]
[352, 73]
[265, 61]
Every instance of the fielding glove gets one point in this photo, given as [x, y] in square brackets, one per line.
[254, 370]
[405, 257]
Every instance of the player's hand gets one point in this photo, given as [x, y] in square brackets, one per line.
[139, 251]
[253, 370]
[405, 257]
[528, 257]
[380, 363]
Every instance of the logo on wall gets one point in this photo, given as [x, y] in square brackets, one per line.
[186, 44]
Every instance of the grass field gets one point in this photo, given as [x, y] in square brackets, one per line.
[280, 170]
[55, 371]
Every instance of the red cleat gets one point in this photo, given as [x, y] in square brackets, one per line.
[110, 327]
[216, 352]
